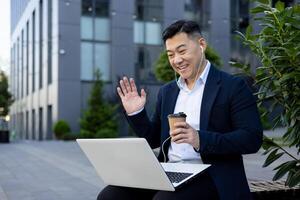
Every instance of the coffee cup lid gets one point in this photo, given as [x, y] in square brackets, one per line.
[180, 114]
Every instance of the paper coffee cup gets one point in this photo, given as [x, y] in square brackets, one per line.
[176, 117]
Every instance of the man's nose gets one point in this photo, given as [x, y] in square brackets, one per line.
[178, 59]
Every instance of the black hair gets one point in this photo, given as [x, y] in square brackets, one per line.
[181, 26]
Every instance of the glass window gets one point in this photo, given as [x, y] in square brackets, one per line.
[153, 33]
[90, 61]
[95, 27]
[239, 20]
[147, 25]
[147, 37]
[145, 61]
[27, 125]
[138, 32]
[86, 19]
[95, 17]
[27, 58]
[102, 8]
[22, 62]
[41, 45]
[86, 7]
[86, 27]
[49, 35]
[102, 60]
[86, 61]
[33, 51]
[33, 124]
[18, 69]
[49, 122]
[40, 123]
[149, 10]
[102, 29]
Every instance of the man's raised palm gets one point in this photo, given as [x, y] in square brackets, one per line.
[130, 98]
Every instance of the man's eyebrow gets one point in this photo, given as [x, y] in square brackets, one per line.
[182, 45]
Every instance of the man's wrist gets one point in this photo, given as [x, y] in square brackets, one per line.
[136, 112]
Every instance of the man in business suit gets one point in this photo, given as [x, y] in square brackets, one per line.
[222, 121]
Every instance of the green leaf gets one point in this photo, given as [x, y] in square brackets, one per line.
[263, 79]
[249, 30]
[289, 177]
[257, 9]
[240, 35]
[268, 143]
[272, 157]
[295, 179]
[283, 169]
[279, 6]
[264, 1]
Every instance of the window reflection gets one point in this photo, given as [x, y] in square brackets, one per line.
[102, 29]
[86, 61]
[95, 36]
[138, 31]
[86, 27]
[153, 33]
[102, 60]
[147, 36]
[239, 18]
[199, 11]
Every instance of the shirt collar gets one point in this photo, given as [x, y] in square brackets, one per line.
[201, 79]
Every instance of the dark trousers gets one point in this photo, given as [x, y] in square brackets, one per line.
[200, 188]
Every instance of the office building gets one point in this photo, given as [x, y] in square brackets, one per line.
[57, 44]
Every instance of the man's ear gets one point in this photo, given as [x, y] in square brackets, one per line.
[202, 43]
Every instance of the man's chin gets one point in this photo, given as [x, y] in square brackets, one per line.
[184, 76]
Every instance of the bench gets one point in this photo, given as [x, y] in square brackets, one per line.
[265, 190]
[274, 190]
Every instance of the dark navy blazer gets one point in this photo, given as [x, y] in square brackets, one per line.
[229, 127]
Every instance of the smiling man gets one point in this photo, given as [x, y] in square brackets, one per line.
[222, 121]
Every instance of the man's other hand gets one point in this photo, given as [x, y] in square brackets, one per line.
[184, 133]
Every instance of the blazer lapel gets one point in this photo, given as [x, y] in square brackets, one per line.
[210, 92]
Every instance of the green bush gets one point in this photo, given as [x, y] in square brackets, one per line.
[6, 98]
[100, 119]
[165, 73]
[61, 128]
[70, 136]
[278, 78]
[106, 133]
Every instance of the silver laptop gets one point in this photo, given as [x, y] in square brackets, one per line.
[130, 162]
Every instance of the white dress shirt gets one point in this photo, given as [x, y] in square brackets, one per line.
[189, 102]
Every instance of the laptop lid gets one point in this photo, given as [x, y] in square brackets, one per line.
[130, 162]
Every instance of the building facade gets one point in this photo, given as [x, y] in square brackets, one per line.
[57, 44]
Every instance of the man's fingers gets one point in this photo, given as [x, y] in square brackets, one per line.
[127, 85]
[176, 132]
[181, 124]
[180, 137]
[120, 92]
[181, 141]
[132, 84]
[122, 84]
[143, 93]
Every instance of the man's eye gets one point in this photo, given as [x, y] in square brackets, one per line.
[170, 55]
[182, 51]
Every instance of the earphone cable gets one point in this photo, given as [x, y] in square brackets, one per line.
[162, 148]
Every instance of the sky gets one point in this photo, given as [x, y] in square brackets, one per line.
[5, 35]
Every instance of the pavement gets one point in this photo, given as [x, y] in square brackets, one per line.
[48, 170]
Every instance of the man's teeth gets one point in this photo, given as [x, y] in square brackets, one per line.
[182, 67]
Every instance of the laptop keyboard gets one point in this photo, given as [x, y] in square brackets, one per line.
[176, 177]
